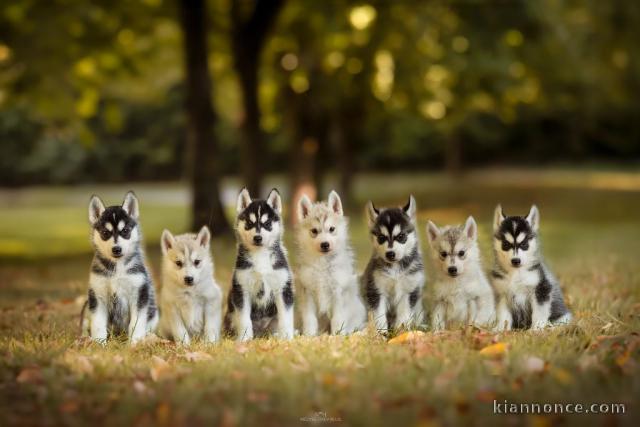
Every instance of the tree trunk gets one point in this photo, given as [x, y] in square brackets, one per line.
[205, 181]
[252, 148]
[249, 34]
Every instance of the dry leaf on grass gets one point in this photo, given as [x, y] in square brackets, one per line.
[69, 406]
[163, 414]
[562, 376]
[160, 369]
[197, 356]
[30, 375]
[534, 364]
[406, 337]
[494, 350]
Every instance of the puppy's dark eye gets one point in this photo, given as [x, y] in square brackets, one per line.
[401, 238]
[381, 239]
[332, 229]
[247, 225]
[196, 262]
[506, 245]
[105, 234]
[524, 245]
[443, 254]
[461, 254]
[314, 232]
[179, 264]
[267, 225]
[125, 232]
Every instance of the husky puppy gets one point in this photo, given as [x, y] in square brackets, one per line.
[190, 299]
[462, 293]
[328, 284]
[394, 278]
[528, 296]
[121, 295]
[261, 295]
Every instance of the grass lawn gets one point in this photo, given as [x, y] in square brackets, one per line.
[591, 238]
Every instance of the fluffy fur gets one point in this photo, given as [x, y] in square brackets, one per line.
[394, 277]
[462, 293]
[528, 295]
[190, 299]
[261, 295]
[329, 295]
[121, 297]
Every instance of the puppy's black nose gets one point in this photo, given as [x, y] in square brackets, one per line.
[257, 239]
[516, 262]
[453, 271]
[188, 280]
[116, 251]
[391, 255]
[325, 246]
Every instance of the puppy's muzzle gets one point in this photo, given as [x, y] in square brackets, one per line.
[257, 240]
[188, 280]
[390, 255]
[116, 251]
[453, 271]
[325, 247]
[516, 262]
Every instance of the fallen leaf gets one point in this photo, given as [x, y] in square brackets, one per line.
[622, 359]
[486, 395]
[69, 407]
[242, 348]
[406, 337]
[30, 375]
[160, 369]
[139, 387]
[163, 414]
[563, 376]
[534, 364]
[494, 350]
[197, 356]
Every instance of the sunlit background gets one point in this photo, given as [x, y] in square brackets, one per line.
[306, 95]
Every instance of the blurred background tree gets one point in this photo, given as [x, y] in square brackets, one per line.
[97, 92]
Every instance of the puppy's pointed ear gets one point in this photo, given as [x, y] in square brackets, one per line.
[410, 207]
[335, 204]
[498, 217]
[96, 208]
[471, 228]
[432, 231]
[275, 201]
[372, 213]
[130, 205]
[204, 237]
[534, 218]
[244, 200]
[167, 241]
[304, 207]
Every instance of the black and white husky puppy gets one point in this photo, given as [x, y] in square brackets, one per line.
[528, 295]
[394, 278]
[462, 293]
[121, 294]
[261, 295]
[190, 299]
[327, 282]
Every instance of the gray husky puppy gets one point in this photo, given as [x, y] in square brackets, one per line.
[327, 281]
[394, 277]
[528, 295]
[261, 295]
[190, 299]
[121, 296]
[462, 293]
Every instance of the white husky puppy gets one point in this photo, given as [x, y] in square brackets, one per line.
[462, 293]
[329, 291]
[190, 299]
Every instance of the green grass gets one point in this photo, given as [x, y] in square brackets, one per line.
[591, 235]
